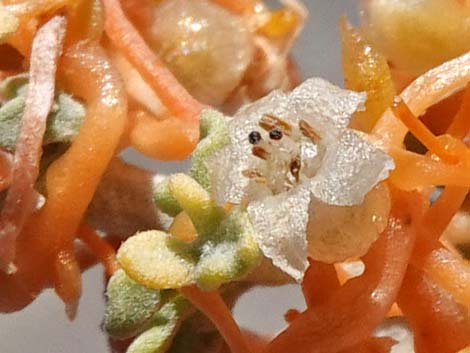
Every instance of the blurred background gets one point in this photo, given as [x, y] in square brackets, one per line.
[43, 328]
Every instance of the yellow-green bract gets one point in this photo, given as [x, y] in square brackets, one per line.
[224, 250]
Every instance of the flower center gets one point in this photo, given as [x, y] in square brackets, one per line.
[288, 154]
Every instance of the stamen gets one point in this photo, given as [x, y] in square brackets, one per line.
[252, 173]
[275, 134]
[295, 168]
[269, 122]
[254, 137]
[308, 131]
[255, 175]
[260, 152]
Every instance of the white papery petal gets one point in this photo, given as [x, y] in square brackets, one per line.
[280, 224]
[398, 329]
[227, 164]
[326, 107]
[349, 170]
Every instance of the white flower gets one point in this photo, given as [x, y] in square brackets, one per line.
[306, 153]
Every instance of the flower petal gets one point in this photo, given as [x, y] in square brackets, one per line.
[227, 164]
[326, 107]
[338, 233]
[280, 223]
[349, 170]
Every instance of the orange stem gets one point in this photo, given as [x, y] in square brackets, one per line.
[320, 282]
[169, 139]
[350, 315]
[461, 123]
[238, 7]
[72, 179]
[439, 215]
[100, 247]
[126, 38]
[439, 324]
[449, 270]
[67, 280]
[5, 169]
[212, 305]
[421, 132]
[423, 93]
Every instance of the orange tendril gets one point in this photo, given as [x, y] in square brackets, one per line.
[439, 215]
[213, 306]
[67, 280]
[421, 132]
[6, 166]
[349, 316]
[320, 283]
[99, 247]
[72, 179]
[126, 38]
[439, 324]
[460, 126]
[421, 94]
[177, 100]
[237, 6]
[169, 139]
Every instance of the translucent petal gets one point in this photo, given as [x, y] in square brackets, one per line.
[326, 107]
[338, 233]
[205, 46]
[349, 170]
[228, 163]
[280, 223]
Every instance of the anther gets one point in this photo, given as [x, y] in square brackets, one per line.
[254, 137]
